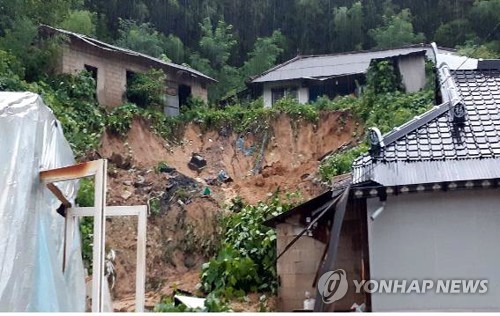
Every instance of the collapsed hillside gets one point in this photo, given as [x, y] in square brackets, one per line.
[182, 228]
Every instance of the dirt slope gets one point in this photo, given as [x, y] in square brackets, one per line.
[290, 159]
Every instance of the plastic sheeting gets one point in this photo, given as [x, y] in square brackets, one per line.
[31, 232]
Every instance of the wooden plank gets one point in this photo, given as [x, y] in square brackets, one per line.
[57, 192]
[73, 172]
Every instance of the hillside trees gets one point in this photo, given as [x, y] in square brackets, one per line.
[185, 31]
[396, 31]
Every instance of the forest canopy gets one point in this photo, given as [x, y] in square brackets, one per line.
[234, 40]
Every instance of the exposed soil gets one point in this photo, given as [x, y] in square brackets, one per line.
[178, 237]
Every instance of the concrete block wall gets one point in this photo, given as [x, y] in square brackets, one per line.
[112, 70]
[297, 267]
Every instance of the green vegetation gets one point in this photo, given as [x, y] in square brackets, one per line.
[382, 105]
[84, 198]
[147, 89]
[246, 261]
[235, 40]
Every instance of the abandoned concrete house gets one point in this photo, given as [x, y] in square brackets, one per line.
[308, 77]
[421, 205]
[113, 66]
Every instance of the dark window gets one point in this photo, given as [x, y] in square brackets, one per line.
[279, 93]
[292, 93]
[184, 95]
[92, 70]
[132, 93]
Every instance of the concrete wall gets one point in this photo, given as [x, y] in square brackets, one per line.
[302, 92]
[437, 235]
[111, 74]
[412, 69]
[297, 267]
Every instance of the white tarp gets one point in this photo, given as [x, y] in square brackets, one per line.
[31, 232]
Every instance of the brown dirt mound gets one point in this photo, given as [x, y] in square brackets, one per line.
[289, 163]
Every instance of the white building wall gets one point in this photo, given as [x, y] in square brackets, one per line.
[268, 97]
[303, 95]
[302, 92]
[437, 235]
[412, 69]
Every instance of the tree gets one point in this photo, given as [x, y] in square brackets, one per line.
[490, 50]
[174, 49]
[217, 43]
[80, 21]
[143, 38]
[396, 31]
[485, 15]
[264, 55]
[348, 25]
[454, 33]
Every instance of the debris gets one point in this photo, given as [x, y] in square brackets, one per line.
[126, 194]
[358, 308]
[166, 168]
[224, 177]
[207, 191]
[240, 144]
[197, 162]
[191, 302]
[178, 182]
[211, 180]
[120, 162]
[140, 179]
[127, 182]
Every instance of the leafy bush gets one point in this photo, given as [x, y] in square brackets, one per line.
[120, 118]
[73, 100]
[147, 89]
[85, 197]
[383, 77]
[382, 105]
[247, 259]
[11, 73]
[296, 110]
[340, 163]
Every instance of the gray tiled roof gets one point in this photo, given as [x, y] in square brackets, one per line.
[433, 138]
[325, 66]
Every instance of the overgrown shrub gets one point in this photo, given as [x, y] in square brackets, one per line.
[120, 118]
[73, 100]
[85, 197]
[382, 105]
[247, 259]
[147, 89]
[340, 163]
[11, 73]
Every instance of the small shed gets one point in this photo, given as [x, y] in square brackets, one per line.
[113, 66]
[302, 244]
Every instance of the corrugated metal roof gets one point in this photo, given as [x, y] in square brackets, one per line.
[322, 66]
[109, 47]
[434, 149]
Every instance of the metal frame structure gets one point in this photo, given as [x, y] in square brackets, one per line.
[98, 170]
